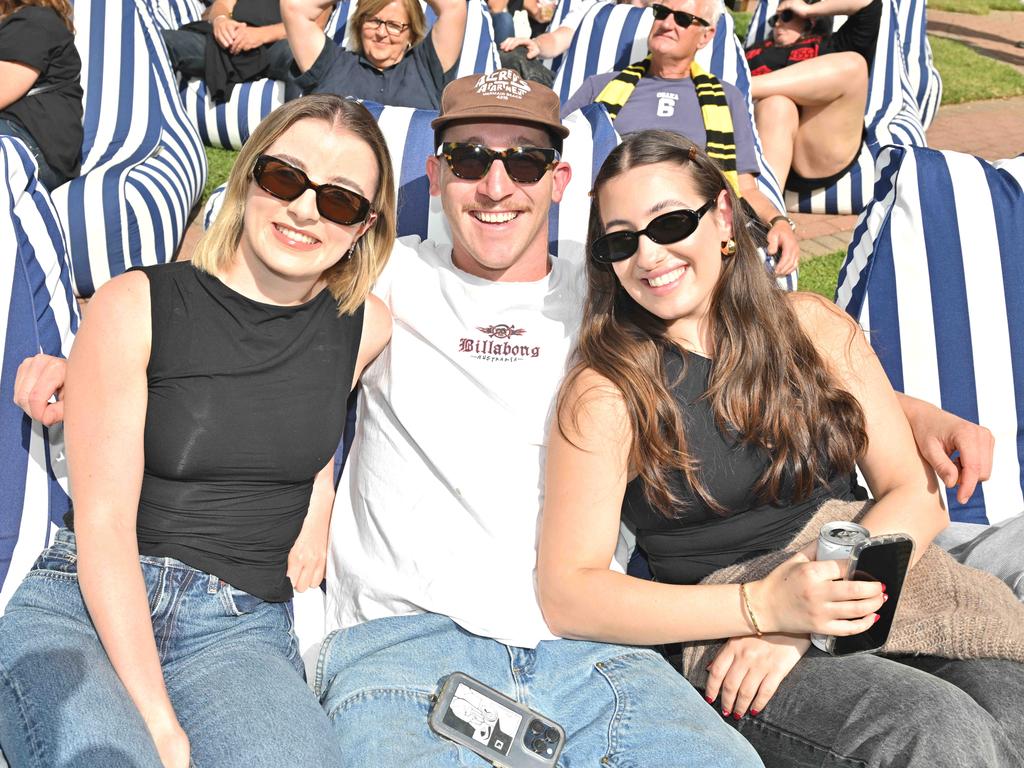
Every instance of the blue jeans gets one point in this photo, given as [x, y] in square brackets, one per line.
[619, 706]
[230, 662]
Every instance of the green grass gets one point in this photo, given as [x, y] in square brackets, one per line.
[969, 76]
[977, 7]
[219, 162]
[820, 274]
[741, 21]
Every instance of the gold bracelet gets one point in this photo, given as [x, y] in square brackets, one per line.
[750, 611]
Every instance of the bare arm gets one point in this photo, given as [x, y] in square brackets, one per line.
[782, 242]
[582, 598]
[901, 481]
[305, 36]
[547, 45]
[16, 80]
[824, 7]
[105, 398]
[449, 30]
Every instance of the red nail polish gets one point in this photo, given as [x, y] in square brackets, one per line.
[709, 700]
[725, 713]
[736, 716]
[755, 712]
[883, 587]
[884, 598]
[877, 617]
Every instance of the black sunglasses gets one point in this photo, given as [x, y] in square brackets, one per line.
[524, 165]
[785, 17]
[286, 182]
[668, 228]
[681, 18]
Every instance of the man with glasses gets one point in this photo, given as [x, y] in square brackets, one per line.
[394, 59]
[668, 90]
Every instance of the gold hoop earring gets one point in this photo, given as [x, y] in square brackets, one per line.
[728, 248]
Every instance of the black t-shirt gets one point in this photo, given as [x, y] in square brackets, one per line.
[858, 34]
[37, 37]
[246, 404]
[686, 548]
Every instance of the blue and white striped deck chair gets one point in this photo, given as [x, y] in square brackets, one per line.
[38, 313]
[890, 116]
[410, 140]
[143, 166]
[228, 125]
[613, 36]
[925, 81]
[935, 274]
[562, 9]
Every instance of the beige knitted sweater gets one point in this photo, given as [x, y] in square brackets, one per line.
[946, 609]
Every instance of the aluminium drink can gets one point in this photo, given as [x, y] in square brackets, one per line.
[836, 542]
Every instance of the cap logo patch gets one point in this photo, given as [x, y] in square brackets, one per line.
[504, 84]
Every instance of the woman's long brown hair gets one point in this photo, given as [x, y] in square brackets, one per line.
[61, 7]
[768, 383]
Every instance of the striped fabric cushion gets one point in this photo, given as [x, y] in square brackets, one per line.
[228, 125]
[935, 273]
[143, 165]
[38, 314]
[410, 141]
[891, 116]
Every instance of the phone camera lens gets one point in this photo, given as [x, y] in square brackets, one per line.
[551, 735]
[537, 727]
[539, 745]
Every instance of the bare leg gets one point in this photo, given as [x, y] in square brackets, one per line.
[778, 120]
[831, 92]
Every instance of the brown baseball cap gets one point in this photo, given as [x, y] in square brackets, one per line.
[501, 95]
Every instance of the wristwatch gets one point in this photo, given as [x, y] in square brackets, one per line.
[782, 217]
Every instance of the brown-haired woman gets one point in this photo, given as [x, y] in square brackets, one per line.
[40, 88]
[204, 402]
[393, 58]
[716, 414]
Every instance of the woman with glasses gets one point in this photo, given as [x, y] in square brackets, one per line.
[714, 414]
[204, 403]
[393, 58]
[810, 88]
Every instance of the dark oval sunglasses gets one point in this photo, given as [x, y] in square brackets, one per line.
[286, 182]
[785, 17]
[668, 228]
[524, 165]
[681, 18]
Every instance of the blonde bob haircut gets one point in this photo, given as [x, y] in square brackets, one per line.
[349, 279]
[367, 9]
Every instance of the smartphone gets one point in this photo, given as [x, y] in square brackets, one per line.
[880, 558]
[500, 730]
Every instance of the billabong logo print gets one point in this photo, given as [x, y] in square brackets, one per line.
[501, 331]
[498, 347]
[504, 84]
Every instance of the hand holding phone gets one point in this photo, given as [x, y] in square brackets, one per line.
[885, 559]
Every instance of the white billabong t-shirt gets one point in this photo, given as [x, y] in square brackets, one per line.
[438, 506]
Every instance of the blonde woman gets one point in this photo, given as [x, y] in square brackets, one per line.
[204, 402]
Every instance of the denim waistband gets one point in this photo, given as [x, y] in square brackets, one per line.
[64, 540]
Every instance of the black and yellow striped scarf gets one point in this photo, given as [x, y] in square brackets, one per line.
[714, 109]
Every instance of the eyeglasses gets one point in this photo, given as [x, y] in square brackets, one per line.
[286, 182]
[681, 18]
[393, 27]
[668, 228]
[524, 165]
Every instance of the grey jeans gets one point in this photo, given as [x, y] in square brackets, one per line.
[909, 712]
[998, 549]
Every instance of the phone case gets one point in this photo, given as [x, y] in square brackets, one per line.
[855, 554]
[492, 725]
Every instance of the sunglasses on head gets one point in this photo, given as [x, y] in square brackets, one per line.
[681, 18]
[286, 182]
[668, 228]
[524, 165]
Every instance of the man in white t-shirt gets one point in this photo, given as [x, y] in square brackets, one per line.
[434, 530]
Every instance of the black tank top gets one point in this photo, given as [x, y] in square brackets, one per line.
[246, 405]
[686, 548]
